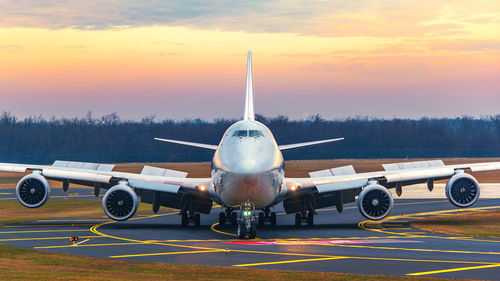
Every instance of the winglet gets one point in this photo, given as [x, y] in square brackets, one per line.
[249, 113]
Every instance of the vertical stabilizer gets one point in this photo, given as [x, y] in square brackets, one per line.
[249, 113]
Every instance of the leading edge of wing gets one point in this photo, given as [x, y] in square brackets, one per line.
[303, 144]
[187, 143]
[343, 182]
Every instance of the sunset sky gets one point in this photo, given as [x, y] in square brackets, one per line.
[187, 59]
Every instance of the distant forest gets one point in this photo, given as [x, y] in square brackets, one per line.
[109, 139]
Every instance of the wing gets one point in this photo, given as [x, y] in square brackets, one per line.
[303, 144]
[193, 144]
[151, 178]
[397, 174]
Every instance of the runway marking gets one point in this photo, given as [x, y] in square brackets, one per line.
[79, 243]
[290, 261]
[168, 253]
[363, 224]
[453, 270]
[44, 238]
[36, 231]
[47, 225]
[369, 258]
[5, 193]
[60, 220]
[91, 245]
[94, 230]
[410, 249]
[212, 227]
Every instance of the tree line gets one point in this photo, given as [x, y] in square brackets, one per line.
[110, 139]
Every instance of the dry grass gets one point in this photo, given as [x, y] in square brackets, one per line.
[481, 224]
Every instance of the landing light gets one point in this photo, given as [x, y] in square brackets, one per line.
[293, 187]
[202, 188]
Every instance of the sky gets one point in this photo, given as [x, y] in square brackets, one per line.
[187, 59]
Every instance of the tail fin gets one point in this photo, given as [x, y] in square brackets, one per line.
[249, 113]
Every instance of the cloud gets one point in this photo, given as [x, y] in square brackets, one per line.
[315, 17]
[467, 45]
[11, 48]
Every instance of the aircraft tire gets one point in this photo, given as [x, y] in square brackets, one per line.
[261, 218]
[273, 218]
[234, 218]
[310, 219]
[197, 219]
[242, 231]
[253, 231]
[222, 218]
[184, 219]
[298, 219]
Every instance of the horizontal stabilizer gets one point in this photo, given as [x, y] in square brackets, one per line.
[303, 144]
[83, 165]
[192, 144]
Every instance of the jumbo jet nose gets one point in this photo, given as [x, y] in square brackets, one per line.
[247, 166]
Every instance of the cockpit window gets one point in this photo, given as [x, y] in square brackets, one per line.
[240, 133]
[250, 133]
[255, 133]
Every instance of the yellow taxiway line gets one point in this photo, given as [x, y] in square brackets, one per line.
[290, 261]
[407, 249]
[323, 257]
[453, 270]
[47, 225]
[212, 227]
[168, 253]
[90, 245]
[44, 238]
[37, 231]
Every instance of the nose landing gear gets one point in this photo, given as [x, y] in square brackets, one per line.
[247, 225]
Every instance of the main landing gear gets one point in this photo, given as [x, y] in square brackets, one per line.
[188, 217]
[267, 215]
[230, 214]
[247, 225]
[306, 217]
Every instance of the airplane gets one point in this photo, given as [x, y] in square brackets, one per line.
[247, 180]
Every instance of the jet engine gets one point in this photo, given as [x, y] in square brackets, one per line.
[462, 190]
[120, 202]
[375, 202]
[33, 190]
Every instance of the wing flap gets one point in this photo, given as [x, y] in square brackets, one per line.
[83, 165]
[156, 186]
[339, 171]
[75, 175]
[413, 165]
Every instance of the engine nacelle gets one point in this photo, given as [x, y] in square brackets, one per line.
[375, 202]
[33, 190]
[120, 202]
[462, 190]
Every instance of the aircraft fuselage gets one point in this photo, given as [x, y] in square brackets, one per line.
[248, 166]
